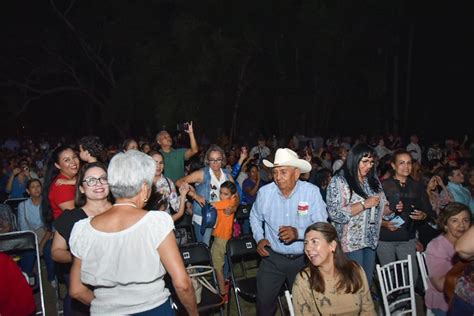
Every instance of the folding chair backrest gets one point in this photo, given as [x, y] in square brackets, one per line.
[421, 258]
[396, 285]
[244, 246]
[243, 212]
[195, 253]
[13, 203]
[16, 242]
[8, 221]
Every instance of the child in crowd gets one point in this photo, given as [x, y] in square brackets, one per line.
[29, 218]
[222, 232]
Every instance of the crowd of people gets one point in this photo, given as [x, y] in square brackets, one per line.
[323, 212]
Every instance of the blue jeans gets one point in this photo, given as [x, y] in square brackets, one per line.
[162, 310]
[438, 312]
[460, 307]
[48, 260]
[245, 227]
[28, 261]
[365, 257]
[206, 238]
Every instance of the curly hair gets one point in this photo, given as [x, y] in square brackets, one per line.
[93, 145]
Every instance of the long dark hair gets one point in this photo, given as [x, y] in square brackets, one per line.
[80, 198]
[50, 174]
[348, 271]
[350, 169]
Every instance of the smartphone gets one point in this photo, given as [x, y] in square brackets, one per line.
[397, 221]
[182, 127]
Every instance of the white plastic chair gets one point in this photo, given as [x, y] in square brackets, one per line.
[421, 258]
[397, 288]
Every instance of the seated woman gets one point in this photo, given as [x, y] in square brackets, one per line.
[331, 284]
[454, 220]
[438, 194]
[124, 253]
[29, 218]
[463, 296]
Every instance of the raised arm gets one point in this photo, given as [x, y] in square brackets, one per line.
[192, 140]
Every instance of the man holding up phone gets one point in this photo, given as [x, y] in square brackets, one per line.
[174, 158]
[16, 184]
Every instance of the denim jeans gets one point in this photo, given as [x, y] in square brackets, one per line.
[48, 260]
[365, 257]
[162, 310]
[206, 238]
[460, 307]
[28, 261]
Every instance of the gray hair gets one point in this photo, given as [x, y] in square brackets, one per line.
[217, 148]
[128, 171]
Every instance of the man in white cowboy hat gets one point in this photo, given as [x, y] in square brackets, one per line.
[282, 211]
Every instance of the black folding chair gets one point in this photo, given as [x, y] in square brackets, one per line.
[243, 212]
[199, 254]
[13, 203]
[184, 230]
[15, 243]
[242, 251]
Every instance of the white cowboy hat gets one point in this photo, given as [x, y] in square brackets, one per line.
[285, 157]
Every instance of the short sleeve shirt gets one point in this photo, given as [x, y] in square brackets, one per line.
[59, 194]
[123, 266]
[174, 163]
[65, 222]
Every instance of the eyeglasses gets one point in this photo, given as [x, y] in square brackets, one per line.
[215, 160]
[91, 181]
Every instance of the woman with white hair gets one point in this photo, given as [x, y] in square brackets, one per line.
[121, 253]
[208, 181]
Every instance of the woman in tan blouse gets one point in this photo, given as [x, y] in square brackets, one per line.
[330, 284]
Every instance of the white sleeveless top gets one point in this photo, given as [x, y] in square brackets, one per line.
[124, 267]
[216, 185]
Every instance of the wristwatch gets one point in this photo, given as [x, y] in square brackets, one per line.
[363, 204]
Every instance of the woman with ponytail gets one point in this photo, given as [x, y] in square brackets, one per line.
[331, 284]
[59, 183]
[58, 192]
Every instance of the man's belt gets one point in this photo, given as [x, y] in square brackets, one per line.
[289, 256]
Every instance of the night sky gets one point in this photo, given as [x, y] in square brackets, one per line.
[309, 66]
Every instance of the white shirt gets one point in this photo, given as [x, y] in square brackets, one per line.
[124, 267]
[415, 151]
[263, 152]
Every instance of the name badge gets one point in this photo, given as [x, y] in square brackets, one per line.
[303, 208]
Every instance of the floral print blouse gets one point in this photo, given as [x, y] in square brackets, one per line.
[358, 231]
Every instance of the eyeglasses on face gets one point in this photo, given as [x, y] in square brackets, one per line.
[91, 181]
[215, 160]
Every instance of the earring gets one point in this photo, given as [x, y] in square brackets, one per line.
[145, 200]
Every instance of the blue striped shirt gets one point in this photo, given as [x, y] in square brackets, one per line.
[273, 210]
